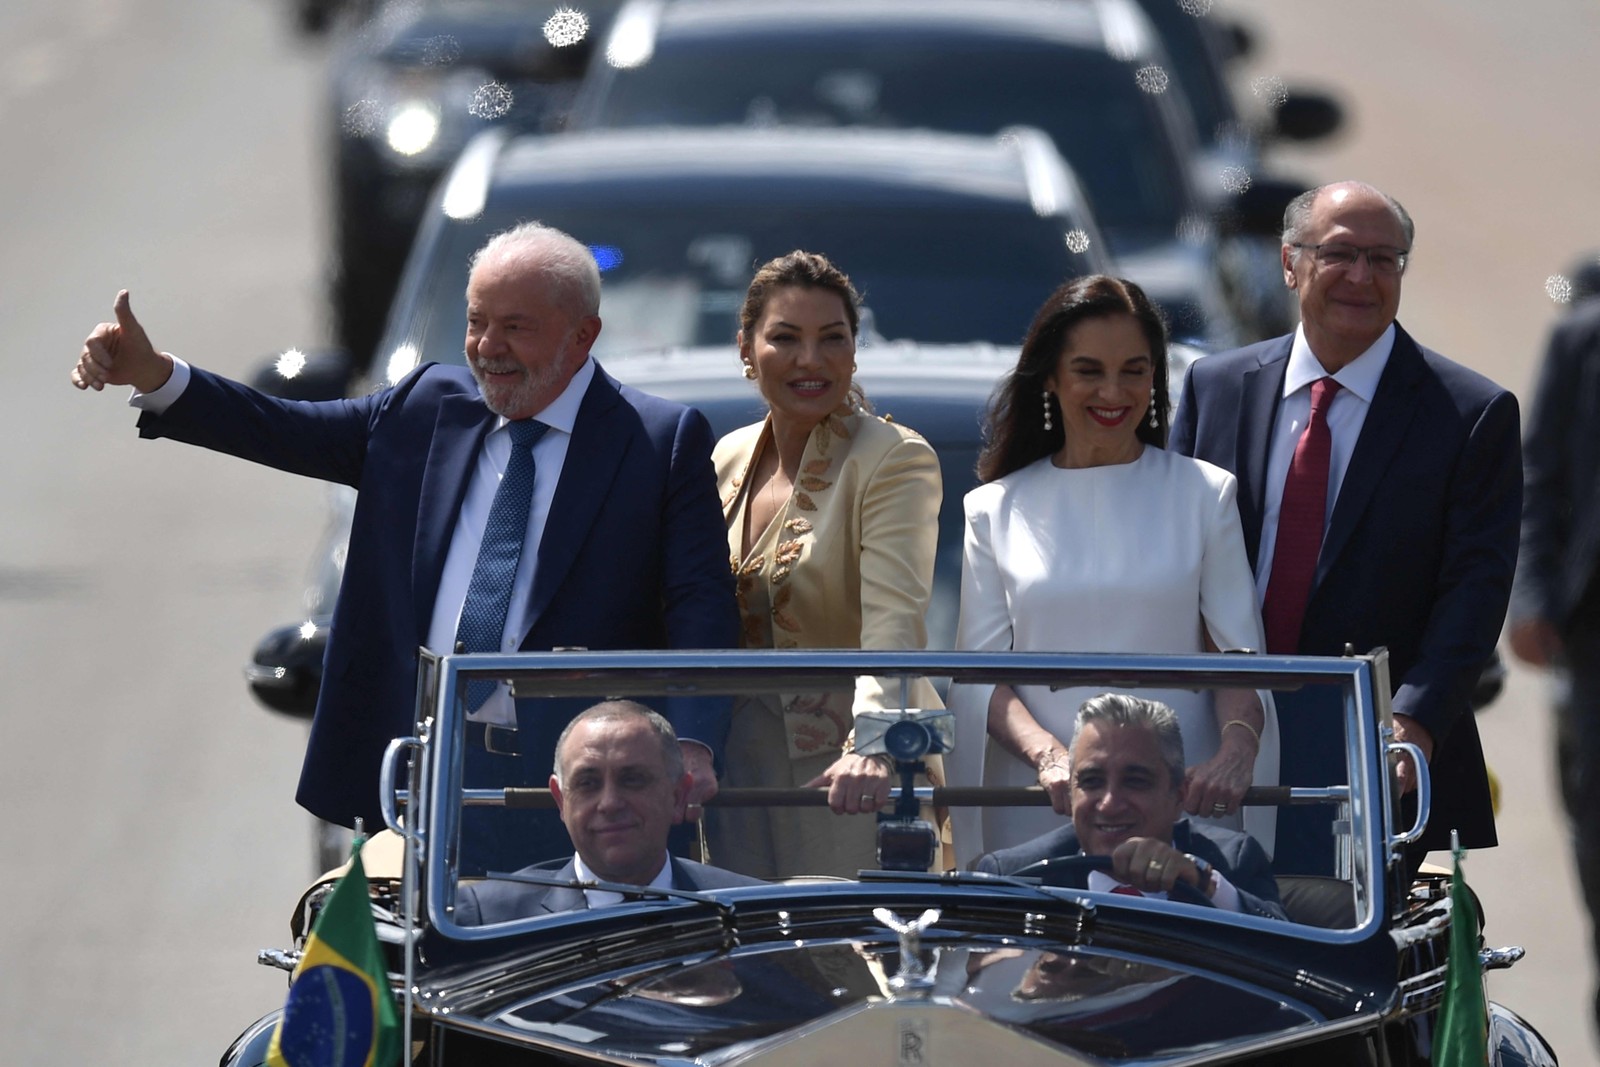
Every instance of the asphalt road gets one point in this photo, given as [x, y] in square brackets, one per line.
[150, 839]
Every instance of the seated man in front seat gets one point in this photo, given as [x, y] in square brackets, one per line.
[620, 785]
[1127, 803]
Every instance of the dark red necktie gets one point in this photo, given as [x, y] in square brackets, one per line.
[1300, 522]
[1126, 891]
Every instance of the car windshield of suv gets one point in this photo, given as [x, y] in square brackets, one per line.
[674, 273]
[1108, 128]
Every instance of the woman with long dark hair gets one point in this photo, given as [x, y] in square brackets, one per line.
[1088, 536]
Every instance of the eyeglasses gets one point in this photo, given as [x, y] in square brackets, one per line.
[1343, 256]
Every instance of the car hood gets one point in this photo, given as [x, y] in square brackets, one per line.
[1107, 1007]
[1089, 991]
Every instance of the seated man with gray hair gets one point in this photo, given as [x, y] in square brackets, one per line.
[1127, 803]
[619, 784]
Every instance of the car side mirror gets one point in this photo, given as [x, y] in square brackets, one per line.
[1236, 41]
[1305, 115]
[321, 374]
[285, 673]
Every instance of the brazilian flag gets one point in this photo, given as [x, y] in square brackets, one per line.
[1461, 1036]
[340, 1011]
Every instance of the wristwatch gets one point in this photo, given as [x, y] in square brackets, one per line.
[1208, 879]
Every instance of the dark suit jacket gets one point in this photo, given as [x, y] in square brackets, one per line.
[1420, 549]
[1238, 856]
[633, 556]
[1561, 462]
[501, 900]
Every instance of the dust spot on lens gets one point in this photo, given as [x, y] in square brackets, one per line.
[1270, 90]
[291, 363]
[1077, 242]
[1558, 288]
[1152, 79]
[1197, 8]
[491, 101]
[566, 27]
[362, 118]
[441, 51]
[1235, 180]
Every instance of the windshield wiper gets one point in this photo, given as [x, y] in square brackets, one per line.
[625, 889]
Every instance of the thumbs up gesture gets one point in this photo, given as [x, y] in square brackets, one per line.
[119, 353]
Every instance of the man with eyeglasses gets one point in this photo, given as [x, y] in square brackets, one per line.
[1380, 488]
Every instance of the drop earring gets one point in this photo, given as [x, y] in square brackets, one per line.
[1155, 423]
[1044, 395]
[749, 372]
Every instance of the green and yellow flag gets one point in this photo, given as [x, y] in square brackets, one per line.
[340, 1011]
[1461, 1038]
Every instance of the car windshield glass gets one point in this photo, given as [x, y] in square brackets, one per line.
[674, 274]
[1090, 104]
[491, 836]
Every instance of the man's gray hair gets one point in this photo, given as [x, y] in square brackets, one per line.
[1123, 709]
[610, 710]
[568, 262]
[1297, 216]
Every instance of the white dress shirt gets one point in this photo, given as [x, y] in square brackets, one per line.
[599, 898]
[1347, 413]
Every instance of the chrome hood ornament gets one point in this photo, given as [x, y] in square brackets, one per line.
[913, 978]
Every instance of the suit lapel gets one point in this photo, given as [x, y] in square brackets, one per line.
[462, 424]
[680, 875]
[593, 457]
[1261, 392]
[561, 898]
[1388, 419]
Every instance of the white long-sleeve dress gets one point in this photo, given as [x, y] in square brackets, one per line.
[1121, 558]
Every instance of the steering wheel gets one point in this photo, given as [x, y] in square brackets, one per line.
[1072, 872]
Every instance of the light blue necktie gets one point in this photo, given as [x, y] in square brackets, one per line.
[483, 614]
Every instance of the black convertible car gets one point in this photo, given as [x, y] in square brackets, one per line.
[906, 965]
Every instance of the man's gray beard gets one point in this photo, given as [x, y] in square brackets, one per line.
[505, 400]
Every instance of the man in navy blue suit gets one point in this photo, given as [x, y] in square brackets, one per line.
[1127, 803]
[1418, 496]
[1555, 606]
[624, 542]
[618, 781]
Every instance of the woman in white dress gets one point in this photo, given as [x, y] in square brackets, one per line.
[1087, 536]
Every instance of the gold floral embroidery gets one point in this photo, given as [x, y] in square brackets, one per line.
[780, 575]
[781, 618]
[817, 466]
[809, 738]
[804, 502]
[788, 551]
[816, 485]
[816, 724]
[798, 524]
[755, 565]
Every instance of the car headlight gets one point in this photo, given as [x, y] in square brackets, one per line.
[412, 128]
[421, 117]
